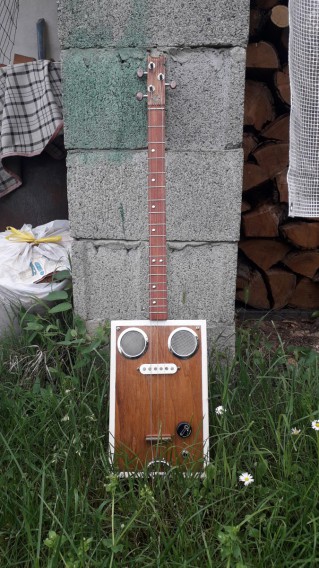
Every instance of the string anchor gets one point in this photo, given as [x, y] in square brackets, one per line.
[140, 96]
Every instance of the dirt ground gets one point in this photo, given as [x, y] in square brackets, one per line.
[294, 330]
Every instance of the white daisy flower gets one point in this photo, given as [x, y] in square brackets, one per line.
[246, 478]
[315, 424]
[295, 431]
[65, 418]
[220, 410]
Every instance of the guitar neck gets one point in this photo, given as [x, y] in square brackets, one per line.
[158, 305]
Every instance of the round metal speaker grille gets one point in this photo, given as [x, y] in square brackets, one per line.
[183, 342]
[132, 342]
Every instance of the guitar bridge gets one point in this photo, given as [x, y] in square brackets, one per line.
[158, 438]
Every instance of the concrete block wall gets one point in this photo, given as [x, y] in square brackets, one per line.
[103, 44]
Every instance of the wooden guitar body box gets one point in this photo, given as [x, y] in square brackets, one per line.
[158, 395]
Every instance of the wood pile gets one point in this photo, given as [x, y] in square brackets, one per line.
[278, 256]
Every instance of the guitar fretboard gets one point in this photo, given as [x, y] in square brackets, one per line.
[158, 306]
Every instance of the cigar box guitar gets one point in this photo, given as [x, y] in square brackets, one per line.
[158, 385]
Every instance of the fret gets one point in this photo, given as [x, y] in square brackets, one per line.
[156, 312]
[157, 273]
[156, 108]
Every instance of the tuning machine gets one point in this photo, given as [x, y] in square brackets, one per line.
[140, 72]
[172, 84]
[140, 96]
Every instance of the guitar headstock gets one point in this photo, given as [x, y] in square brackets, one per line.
[155, 81]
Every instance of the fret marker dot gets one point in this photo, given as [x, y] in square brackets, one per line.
[153, 230]
[153, 179]
[154, 302]
[153, 260]
[154, 286]
[161, 260]
[153, 150]
[153, 206]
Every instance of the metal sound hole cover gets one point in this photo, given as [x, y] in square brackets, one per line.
[183, 342]
[132, 342]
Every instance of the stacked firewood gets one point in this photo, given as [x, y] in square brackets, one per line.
[278, 256]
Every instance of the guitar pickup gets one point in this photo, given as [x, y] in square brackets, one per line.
[158, 438]
[158, 369]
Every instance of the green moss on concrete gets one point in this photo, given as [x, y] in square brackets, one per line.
[99, 89]
[101, 23]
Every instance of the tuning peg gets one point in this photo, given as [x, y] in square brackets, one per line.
[140, 96]
[140, 72]
[172, 84]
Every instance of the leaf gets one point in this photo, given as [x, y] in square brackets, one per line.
[59, 308]
[57, 295]
[61, 275]
[91, 347]
[114, 547]
[32, 326]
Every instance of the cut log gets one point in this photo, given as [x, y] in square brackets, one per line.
[278, 129]
[266, 4]
[282, 84]
[279, 16]
[284, 38]
[282, 285]
[262, 55]
[250, 142]
[255, 294]
[305, 263]
[244, 274]
[245, 206]
[301, 234]
[253, 176]
[257, 19]
[262, 221]
[272, 157]
[282, 185]
[306, 295]
[265, 253]
[259, 105]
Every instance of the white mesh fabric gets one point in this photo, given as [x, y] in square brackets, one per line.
[303, 174]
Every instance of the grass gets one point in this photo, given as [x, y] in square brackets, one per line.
[62, 506]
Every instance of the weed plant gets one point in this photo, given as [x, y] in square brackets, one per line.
[61, 505]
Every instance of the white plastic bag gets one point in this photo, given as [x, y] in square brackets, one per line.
[24, 264]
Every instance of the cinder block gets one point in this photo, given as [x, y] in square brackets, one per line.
[107, 195]
[110, 280]
[205, 111]
[90, 23]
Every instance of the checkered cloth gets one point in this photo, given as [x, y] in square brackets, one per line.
[30, 114]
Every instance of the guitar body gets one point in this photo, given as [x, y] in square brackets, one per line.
[158, 392]
[158, 395]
